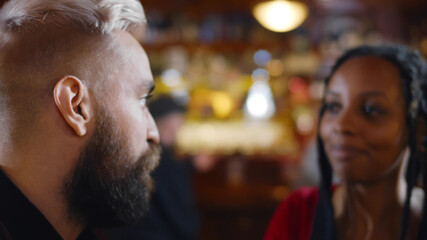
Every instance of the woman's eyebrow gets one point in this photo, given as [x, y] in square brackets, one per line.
[374, 94]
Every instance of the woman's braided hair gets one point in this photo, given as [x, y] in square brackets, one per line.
[413, 72]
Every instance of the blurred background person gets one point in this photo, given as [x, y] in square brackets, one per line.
[368, 129]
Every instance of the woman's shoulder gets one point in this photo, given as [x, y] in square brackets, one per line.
[293, 218]
[301, 201]
[305, 193]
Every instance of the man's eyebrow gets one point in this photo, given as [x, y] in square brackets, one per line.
[148, 85]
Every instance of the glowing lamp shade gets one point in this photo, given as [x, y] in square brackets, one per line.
[280, 15]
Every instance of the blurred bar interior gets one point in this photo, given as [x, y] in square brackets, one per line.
[253, 94]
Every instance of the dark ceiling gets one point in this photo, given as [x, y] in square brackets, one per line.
[246, 4]
[410, 13]
[208, 6]
[200, 8]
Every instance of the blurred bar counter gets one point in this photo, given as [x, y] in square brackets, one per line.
[238, 197]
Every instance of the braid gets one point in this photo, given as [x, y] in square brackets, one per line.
[422, 229]
[412, 69]
[411, 177]
[324, 224]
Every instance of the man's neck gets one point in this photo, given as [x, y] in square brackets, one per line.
[39, 175]
[49, 203]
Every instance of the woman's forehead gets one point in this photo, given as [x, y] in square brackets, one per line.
[367, 73]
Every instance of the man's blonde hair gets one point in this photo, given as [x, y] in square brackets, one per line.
[89, 16]
[44, 40]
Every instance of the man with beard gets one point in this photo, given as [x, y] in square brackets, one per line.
[77, 142]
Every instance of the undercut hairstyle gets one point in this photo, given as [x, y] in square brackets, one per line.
[42, 41]
[88, 16]
[413, 73]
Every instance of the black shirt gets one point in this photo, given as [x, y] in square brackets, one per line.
[19, 219]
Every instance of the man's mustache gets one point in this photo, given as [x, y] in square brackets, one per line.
[150, 160]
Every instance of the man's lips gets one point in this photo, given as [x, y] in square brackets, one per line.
[345, 152]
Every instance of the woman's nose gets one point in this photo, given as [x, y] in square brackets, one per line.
[345, 122]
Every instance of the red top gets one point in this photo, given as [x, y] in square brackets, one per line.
[293, 219]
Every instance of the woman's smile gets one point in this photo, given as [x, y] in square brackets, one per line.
[346, 152]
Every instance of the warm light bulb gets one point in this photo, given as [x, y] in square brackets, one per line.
[260, 103]
[280, 15]
[222, 104]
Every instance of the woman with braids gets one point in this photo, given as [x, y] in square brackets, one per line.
[371, 123]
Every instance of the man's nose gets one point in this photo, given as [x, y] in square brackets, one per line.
[152, 131]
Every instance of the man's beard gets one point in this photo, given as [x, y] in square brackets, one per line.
[108, 188]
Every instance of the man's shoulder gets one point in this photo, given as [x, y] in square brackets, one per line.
[4, 234]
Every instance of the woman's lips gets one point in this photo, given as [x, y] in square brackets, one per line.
[345, 152]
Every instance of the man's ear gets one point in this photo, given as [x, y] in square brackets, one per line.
[72, 99]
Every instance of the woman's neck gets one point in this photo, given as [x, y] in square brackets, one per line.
[365, 210]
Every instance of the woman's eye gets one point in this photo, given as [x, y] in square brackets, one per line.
[332, 107]
[371, 110]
